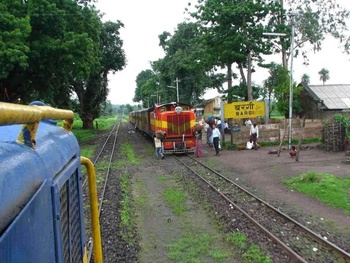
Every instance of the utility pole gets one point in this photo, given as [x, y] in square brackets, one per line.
[177, 89]
[291, 83]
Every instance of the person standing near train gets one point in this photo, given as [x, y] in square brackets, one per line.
[216, 139]
[199, 149]
[254, 133]
[158, 146]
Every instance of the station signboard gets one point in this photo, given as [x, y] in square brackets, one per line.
[244, 109]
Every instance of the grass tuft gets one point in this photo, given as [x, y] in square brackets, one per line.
[327, 188]
[175, 199]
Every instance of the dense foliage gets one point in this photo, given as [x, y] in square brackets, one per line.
[60, 52]
[182, 61]
[54, 51]
[228, 35]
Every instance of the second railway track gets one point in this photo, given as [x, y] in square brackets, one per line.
[298, 242]
[104, 157]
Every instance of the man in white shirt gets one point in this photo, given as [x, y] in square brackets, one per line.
[254, 133]
[216, 139]
[225, 125]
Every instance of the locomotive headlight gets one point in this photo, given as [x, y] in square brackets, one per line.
[178, 109]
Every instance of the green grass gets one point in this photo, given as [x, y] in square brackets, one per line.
[141, 194]
[193, 248]
[87, 150]
[127, 221]
[238, 240]
[176, 199]
[104, 123]
[251, 253]
[254, 255]
[327, 188]
[129, 158]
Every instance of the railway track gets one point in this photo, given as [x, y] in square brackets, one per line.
[103, 162]
[299, 243]
[95, 139]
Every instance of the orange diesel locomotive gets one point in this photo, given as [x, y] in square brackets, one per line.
[176, 120]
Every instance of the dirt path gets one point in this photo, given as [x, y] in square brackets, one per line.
[258, 171]
[158, 226]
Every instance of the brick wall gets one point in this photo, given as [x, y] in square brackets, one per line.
[274, 132]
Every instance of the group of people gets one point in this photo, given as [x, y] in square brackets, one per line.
[213, 130]
[213, 139]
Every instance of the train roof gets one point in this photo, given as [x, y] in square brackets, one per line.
[156, 106]
[174, 104]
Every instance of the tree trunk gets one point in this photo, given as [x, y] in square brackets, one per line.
[229, 75]
[88, 120]
[283, 50]
[249, 78]
[85, 115]
[241, 71]
[282, 140]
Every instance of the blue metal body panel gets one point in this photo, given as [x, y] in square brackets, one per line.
[17, 243]
[31, 179]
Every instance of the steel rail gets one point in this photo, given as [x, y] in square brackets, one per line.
[114, 132]
[103, 146]
[95, 139]
[311, 233]
[316, 237]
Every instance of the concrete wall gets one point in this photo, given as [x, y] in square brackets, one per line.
[274, 132]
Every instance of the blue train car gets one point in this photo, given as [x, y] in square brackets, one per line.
[41, 207]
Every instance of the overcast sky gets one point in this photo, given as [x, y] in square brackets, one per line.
[145, 20]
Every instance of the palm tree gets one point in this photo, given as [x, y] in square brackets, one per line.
[305, 79]
[324, 75]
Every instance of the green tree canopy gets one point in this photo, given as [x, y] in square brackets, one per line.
[14, 31]
[232, 34]
[52, 50]
[183, 62]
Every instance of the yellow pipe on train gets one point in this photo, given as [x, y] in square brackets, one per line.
[23, 114]
[95, 223]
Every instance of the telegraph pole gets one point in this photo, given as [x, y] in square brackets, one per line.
[291, 83]
[177, 89]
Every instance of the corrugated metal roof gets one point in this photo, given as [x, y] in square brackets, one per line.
[334, 96]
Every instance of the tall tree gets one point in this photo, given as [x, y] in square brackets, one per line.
[182, 61]
[141, 92]
[232, 33]
[324, 75]
[277, 86]
[60, 51]
[94, 90]
[314, 20]
[69, 50]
